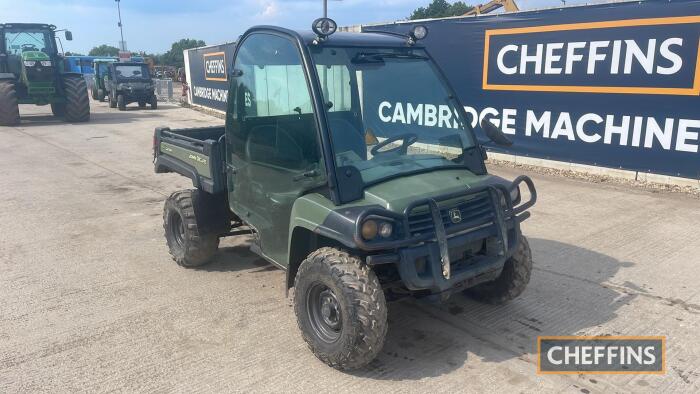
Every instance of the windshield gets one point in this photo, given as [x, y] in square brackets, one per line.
[17, 42]
[132, 71]
[389, 112]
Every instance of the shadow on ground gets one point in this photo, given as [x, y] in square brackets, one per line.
[427, 340]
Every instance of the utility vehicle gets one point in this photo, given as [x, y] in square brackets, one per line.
[130, 83]
[101, 69]
[33, 72]
[351, 162]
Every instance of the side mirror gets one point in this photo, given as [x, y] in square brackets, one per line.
[69, 35]
[494, 133]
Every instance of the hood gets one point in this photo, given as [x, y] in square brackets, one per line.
[396, 194]
[35, 56]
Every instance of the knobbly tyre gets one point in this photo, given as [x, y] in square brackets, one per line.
[32, 71]
[130, 83]
[358, 201]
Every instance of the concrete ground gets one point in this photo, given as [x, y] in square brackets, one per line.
[91, 300]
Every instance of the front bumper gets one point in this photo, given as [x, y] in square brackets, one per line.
[457, 256]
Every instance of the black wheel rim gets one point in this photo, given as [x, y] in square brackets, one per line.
[177, 228]
[324, 312]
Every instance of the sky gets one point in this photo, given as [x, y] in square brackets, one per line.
[153, 25]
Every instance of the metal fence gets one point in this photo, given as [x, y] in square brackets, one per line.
[164, 89]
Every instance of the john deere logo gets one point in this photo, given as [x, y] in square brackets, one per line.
[455, 215]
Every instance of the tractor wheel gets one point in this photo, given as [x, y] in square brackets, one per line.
[340, 308]
[58, 109]
[185, 222]
[94, 93]
[154, 102]
[512, 281]
[112, 101]
[77, 106]
[121, 103]
[101, 95]
[9, 108]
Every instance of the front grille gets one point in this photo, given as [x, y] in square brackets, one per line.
[474, 211]
[40, 74]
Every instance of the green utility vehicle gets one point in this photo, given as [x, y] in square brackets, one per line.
[101, 69]
[33, 72]
[130, 83]
[351, 162]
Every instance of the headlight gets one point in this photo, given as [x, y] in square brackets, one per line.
[46, 63]
[29, 63]
[369, 229]
[385, 229]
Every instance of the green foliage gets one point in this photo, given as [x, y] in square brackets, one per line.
[174, 56]
[440, 9]
[104, 50]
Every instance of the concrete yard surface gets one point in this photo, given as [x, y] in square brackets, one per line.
[91, 300]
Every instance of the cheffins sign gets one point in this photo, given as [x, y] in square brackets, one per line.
[614, 85]
[215, 66]
[637, 56]
[207, 74]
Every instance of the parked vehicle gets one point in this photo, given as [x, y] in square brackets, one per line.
[128, 83]
[33, 72]
[99, 76]
[351, 162]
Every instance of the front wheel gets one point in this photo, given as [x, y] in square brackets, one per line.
[101, 95]
[121, 102]
[154, 102]
[340, 308]
[512, 281]
[9, 107]
[58, 109]
[190, 242]
[112, 101]
[77, 105]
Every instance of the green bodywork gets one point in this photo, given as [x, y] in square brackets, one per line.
[290, 205]
[37, 91]
[197, 160]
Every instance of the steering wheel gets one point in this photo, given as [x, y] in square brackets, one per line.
[407, 139]
[29, 47]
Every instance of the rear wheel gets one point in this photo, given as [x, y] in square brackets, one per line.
[154, 102]
[190, 239]
[512, 281]
[77, 106]
[9, 107]
[101, 95]
[340, 309]
[121, 103]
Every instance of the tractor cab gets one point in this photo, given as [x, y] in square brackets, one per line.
[101, 69]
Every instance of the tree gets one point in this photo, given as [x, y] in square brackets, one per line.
[104, 50]
[174, 56]
[440, 9]
[69, 53]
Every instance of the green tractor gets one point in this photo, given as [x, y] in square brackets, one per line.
[33, 72]
[99, 90]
